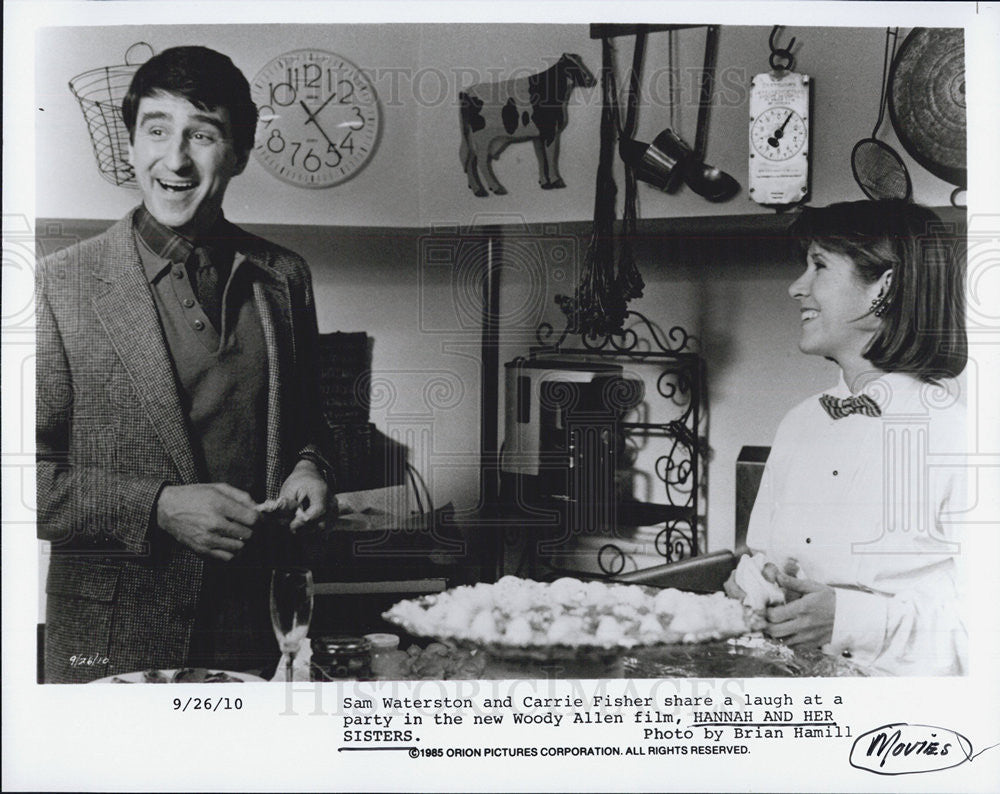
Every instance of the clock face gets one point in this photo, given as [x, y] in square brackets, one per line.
[778, 133]
[318, 121]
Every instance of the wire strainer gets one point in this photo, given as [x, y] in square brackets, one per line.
[878, 168]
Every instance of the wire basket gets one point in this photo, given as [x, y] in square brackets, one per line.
[100, 93]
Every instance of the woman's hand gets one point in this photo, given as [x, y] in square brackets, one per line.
[732, 589]
[770, 572]
[807, 618]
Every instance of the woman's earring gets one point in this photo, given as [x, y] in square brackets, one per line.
[879, 306]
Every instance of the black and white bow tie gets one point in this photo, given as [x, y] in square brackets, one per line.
[858, 404]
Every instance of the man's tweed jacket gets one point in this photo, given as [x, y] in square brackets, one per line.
[111, 433]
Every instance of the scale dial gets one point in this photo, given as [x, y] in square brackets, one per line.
[779, 138]
[319, 118]
[778, 133]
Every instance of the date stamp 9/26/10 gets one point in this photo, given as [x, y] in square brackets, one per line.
[88, 660]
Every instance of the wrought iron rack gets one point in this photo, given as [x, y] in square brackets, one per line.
[679, 465]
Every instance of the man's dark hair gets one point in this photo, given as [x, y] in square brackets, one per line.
[207, 79]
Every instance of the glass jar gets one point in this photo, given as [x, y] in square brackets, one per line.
[336, 658]
[382, 646]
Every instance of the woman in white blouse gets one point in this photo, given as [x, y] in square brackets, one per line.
[858, 513]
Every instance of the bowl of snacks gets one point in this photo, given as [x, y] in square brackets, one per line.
[588, 626]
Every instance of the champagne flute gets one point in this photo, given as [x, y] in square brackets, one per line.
[291, 608]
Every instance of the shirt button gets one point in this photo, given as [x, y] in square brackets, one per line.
[835, 472]
[198, 325]
[188, 303]
[809, 540]
[178, 272]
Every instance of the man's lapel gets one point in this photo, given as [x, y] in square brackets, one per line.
[128, 314]
[274, 306]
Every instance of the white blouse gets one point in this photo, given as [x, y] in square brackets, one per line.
[872, 506]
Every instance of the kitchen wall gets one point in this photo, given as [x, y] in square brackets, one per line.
[415, 178]
[367, 239]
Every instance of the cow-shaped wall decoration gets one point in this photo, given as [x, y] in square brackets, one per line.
[494, 115]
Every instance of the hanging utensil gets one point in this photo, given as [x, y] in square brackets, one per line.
[657, 163]
[669, 160]
[706, 180]
[927, 101]
[878, 168]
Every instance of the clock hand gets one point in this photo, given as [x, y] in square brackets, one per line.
[313, 114]
[778, 133]
[312, 118]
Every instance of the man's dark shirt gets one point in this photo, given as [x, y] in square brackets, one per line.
[221, 370]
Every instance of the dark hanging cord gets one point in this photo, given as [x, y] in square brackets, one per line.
[611, 101]
[416, 490]
[628, 282]
[634, 84]
[599, 305]
[609, 309]
[592, 310]
[427, 492]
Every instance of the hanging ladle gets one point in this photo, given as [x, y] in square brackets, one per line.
[706, 180]
[668, 160]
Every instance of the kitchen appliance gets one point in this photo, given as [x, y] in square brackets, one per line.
[563, 437]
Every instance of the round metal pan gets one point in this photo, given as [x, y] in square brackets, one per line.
[927, 101]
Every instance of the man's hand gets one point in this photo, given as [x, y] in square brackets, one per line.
[213, 520]
[306, 488]
[806, 620]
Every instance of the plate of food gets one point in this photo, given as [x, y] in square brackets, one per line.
[183, 675]
[571, 619]
[435, 662]
[748, 656]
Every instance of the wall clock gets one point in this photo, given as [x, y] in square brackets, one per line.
[779, 137]
[319, 118]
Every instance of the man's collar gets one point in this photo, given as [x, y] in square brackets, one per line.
[161, 240]
[153, 264]
[161, 247]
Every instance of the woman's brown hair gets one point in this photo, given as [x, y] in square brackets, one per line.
[923, 326]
